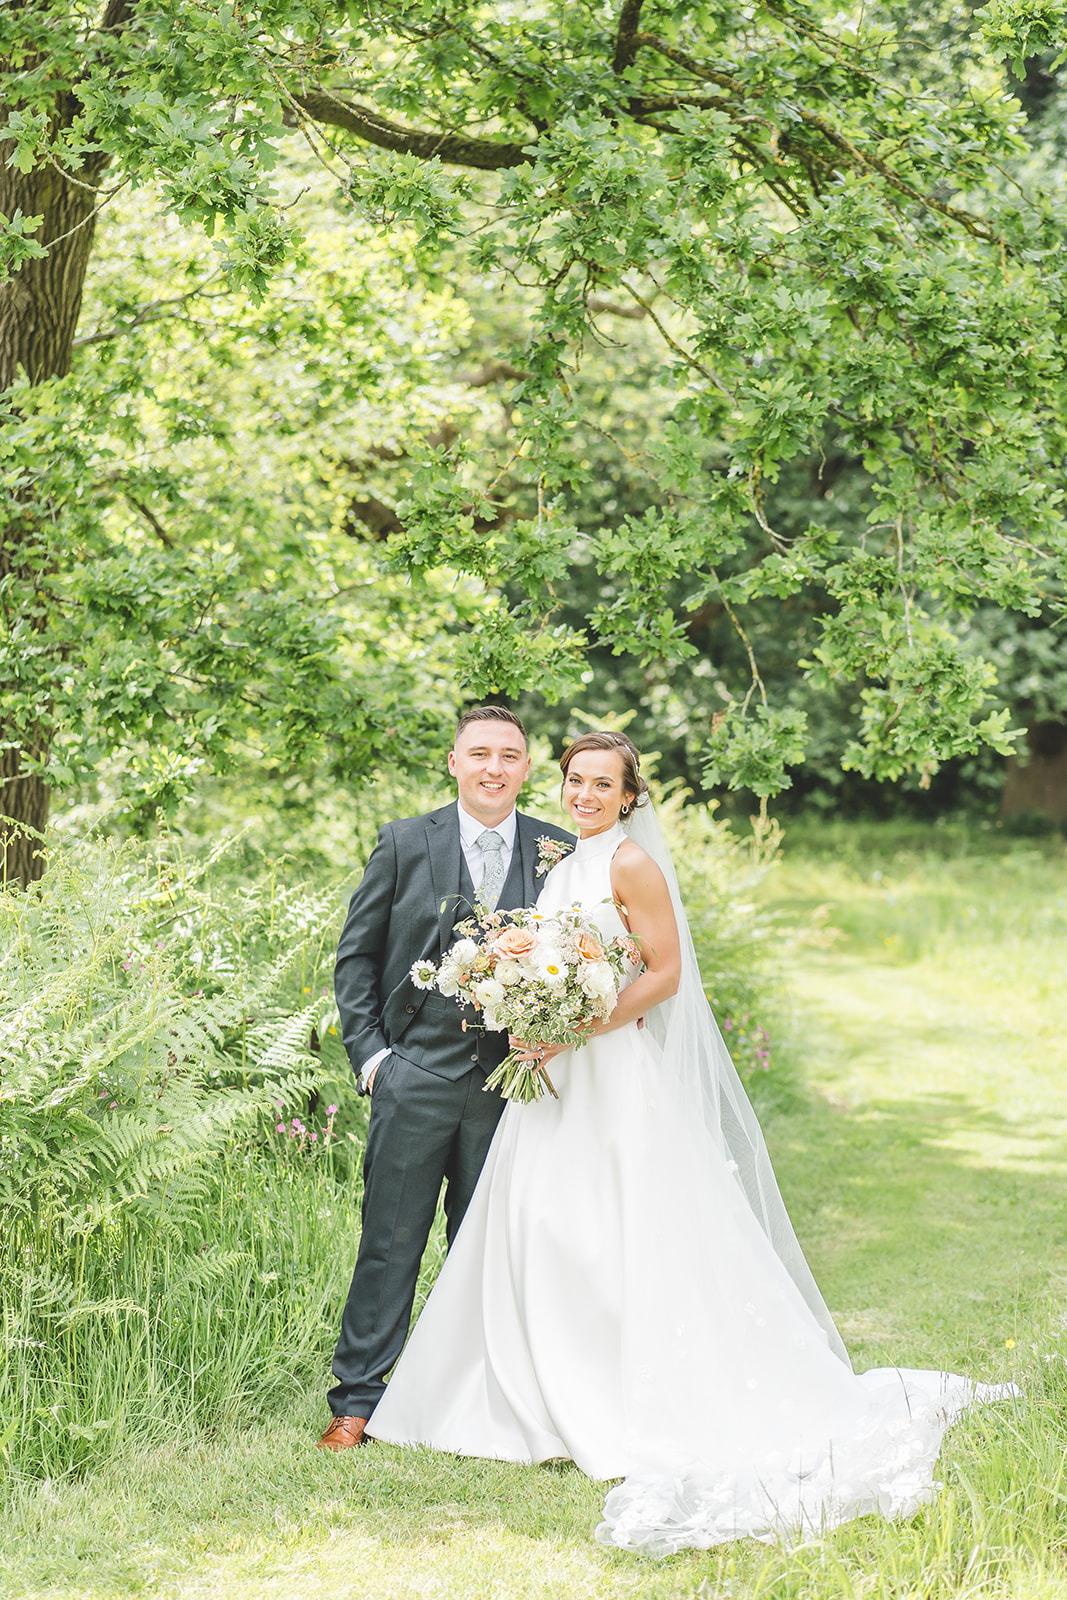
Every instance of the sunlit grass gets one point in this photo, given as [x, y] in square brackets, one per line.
[260, 1513]
[927, 1171]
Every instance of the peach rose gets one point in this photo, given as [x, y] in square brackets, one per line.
[588, 948]
[514, 943]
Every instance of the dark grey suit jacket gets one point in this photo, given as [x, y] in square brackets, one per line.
[404, 911]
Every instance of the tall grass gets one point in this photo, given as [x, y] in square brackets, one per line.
[162, 1254]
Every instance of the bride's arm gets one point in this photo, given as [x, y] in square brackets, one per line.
[641, 894]
[640, 890]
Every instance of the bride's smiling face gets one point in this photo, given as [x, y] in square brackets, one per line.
[593, 792]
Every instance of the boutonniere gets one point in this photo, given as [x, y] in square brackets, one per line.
[550, 853]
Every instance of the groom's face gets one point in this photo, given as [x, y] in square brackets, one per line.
[490, 764]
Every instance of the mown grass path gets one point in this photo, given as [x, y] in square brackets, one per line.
[927, 1172]
[924, 1155]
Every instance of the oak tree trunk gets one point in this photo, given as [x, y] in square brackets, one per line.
[39, 308]
[1038, 785]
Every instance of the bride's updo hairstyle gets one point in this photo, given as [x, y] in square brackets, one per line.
[632, 782]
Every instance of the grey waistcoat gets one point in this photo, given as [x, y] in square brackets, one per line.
[434, 1038]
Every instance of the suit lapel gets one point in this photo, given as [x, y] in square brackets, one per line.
[443, 848]
[446, 863]
[526, 834]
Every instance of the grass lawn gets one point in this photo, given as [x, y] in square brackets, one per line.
[927, 1175]
[925, 1161]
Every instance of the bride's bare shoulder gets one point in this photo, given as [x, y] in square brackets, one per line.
[633, 868]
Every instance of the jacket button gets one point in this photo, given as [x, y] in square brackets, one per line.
[474, 1056]
[409, 1008]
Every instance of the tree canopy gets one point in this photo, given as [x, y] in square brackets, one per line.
[827, 228]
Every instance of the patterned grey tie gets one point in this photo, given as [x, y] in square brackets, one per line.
[491, 845]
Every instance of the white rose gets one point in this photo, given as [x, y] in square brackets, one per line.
[489, 992]
[598, 979]
[464, 954]
[507, 973]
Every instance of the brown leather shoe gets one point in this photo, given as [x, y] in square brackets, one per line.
[343, 1433]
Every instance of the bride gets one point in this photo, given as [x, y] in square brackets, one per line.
[626, 1290]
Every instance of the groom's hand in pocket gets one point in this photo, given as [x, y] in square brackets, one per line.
[371, 1075]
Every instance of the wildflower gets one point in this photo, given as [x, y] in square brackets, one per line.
[727, 1024]
[1009, 1344]
[281, 1127]
[331, 1111]
[314, 1136]
[423, 974]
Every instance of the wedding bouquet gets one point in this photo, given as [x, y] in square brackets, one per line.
[543, 978]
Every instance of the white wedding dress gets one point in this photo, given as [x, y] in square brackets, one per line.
[612, 1299]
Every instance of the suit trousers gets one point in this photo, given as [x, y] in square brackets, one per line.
[424, 1129]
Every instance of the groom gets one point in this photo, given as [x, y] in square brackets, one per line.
[431, 1117]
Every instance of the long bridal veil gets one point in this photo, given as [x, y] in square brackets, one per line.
[744, 1415]
[709, 1092]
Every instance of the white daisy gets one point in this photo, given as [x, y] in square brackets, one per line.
[551, 968]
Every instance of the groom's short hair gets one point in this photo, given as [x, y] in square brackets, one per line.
[490, 714]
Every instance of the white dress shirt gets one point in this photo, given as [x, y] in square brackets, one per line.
[470, 831]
